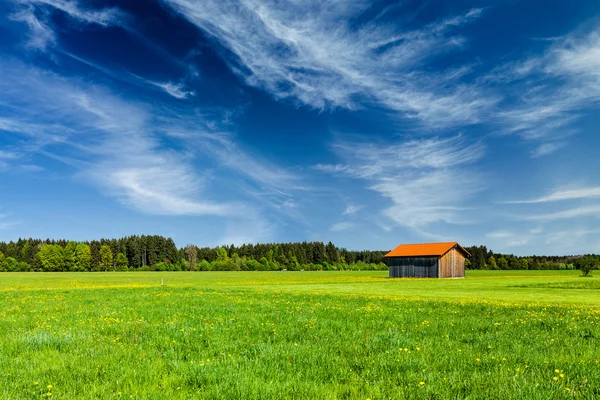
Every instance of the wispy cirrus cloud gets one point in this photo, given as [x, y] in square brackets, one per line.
[423, 179]
[341, 226]
[177, 90]
[40, 34]
[117, 146]
[35, 14]
[105, 16]
[352, 209]
[302, 51]
[575, 212]
[563, 194]
[112, 143]
[553, 90]
[120, 154]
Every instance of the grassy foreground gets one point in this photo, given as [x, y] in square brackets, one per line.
[313, 335]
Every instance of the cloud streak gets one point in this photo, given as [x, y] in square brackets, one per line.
[303, 52]
[109, 140]
[422, 178]
[561, 195]
[554, 89]
[35, 14]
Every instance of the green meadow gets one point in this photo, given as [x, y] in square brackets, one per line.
[299, 335]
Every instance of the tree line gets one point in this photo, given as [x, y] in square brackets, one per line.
[486, 259]
[157, 253]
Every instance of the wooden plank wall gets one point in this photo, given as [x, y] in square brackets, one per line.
[452, 265]
[413, 267]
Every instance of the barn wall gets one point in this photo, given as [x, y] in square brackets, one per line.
[452, 265]
[413, 267]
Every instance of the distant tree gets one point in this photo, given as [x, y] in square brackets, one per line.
[106, 258]
[502, 263]
[70, 257]
[51, 258]
[83, 256]
[10, 264]
[332, 253]
[492, 263]
[121, 262]
[191, 255]
[25, 251]
[221, 254]
[587, 264]
[468, 264]
[204, 265]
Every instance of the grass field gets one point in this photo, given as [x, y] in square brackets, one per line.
[313, 335]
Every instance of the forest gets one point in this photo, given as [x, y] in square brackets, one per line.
[157, 253]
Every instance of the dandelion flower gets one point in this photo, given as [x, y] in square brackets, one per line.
[562, 375]
[555, 378]
[421, 383]
[49, 386]
[557, 371]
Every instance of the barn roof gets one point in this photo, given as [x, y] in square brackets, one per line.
[425, 249]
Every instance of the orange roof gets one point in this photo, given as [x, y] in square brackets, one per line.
[426, 249]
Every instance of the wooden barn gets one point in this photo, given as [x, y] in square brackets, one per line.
[430, 260]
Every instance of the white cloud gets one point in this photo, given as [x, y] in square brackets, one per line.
[104, 17]
[111, 142]
[40, 34]
[305, 51]
[422, 178]
[35, 13]
[117, 146]
[547, 149]
[177, 90]
[552, 89]
[563, 194]
[499, 235]
[576, 212]
[8, 155]
[517, 242]
[341, 226]
[352, 209]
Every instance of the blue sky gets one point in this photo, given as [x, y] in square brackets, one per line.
[365, 123]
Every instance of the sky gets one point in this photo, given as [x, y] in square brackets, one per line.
[364, 123]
